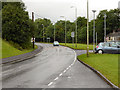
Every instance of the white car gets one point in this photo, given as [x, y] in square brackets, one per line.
[55, 43]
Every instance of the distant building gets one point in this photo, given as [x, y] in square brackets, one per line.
[115, 36]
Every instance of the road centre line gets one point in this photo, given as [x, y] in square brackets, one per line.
[50, 83]
[65, 69]
[56, 78]
[61, 74]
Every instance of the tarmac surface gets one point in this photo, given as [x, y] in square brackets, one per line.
[53, 67]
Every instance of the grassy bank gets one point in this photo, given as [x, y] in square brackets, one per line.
[107, 64]
[79, 46]
[8, 50]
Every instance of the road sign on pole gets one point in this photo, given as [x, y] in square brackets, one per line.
[72, 34]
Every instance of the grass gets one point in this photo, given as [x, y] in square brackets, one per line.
[107, 64]
[8, 50]
[79, 46]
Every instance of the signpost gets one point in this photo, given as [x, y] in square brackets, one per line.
[48, 40]
[73, 35]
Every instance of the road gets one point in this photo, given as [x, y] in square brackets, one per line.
[54, 67]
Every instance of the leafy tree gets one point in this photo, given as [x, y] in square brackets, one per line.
[41, 24]
[16, 25]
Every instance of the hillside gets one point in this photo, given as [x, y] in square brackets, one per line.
[8, 50]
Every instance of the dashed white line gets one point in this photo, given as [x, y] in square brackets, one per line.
[56, 78]
[70, 66]
[67, 68]
[50, 83]
[61, 74]
[64, 71]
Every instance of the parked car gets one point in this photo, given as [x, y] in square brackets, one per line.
[107, 47]
[55, 43]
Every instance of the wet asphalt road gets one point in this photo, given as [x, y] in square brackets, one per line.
[54, 67]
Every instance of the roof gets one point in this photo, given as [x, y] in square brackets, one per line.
[115, 34]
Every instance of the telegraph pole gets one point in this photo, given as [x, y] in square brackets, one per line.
[87, 29]
[33, 30]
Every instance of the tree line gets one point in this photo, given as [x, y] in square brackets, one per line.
[45, 28]
[18, 28]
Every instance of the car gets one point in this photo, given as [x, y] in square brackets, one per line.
[107, 47]
[55, 43]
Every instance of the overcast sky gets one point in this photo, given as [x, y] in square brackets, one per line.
[53, 9]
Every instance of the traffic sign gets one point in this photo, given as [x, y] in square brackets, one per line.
[72, 34]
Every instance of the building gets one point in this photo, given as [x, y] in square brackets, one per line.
[115, 36]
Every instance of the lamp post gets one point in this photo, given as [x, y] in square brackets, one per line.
[94, 30]
[54, 32]
[105, 27]
[75, 22]
[65, 27]
[87, 29]
[43, 33]
[96, 38]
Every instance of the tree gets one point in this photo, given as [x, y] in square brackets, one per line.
[16, 25]
[41, 24]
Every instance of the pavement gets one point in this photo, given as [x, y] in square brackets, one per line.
[53, 67]
[21, 57]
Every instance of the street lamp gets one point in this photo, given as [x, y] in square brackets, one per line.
[65, 27]
[75, 22]
[87, 29]
[96, 38]
[54, 31]
[105, 27]
[43, 33]
[94, 29]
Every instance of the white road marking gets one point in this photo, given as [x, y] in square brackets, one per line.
[64, 71]
[67, 68]
[69, 77]
[50, 83]
[56, 78]
[61, 74]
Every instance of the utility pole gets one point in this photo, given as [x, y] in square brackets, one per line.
[96, 38]
[87, 29]
[65, 31]
[65, 27]
[94, 30]
[75, 23]
[76, 27]
[43, 33]
[33, 30]
[105, 27]
[54, 32]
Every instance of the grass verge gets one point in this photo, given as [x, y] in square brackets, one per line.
[8, 50]
[79, 46]
[107, 64]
